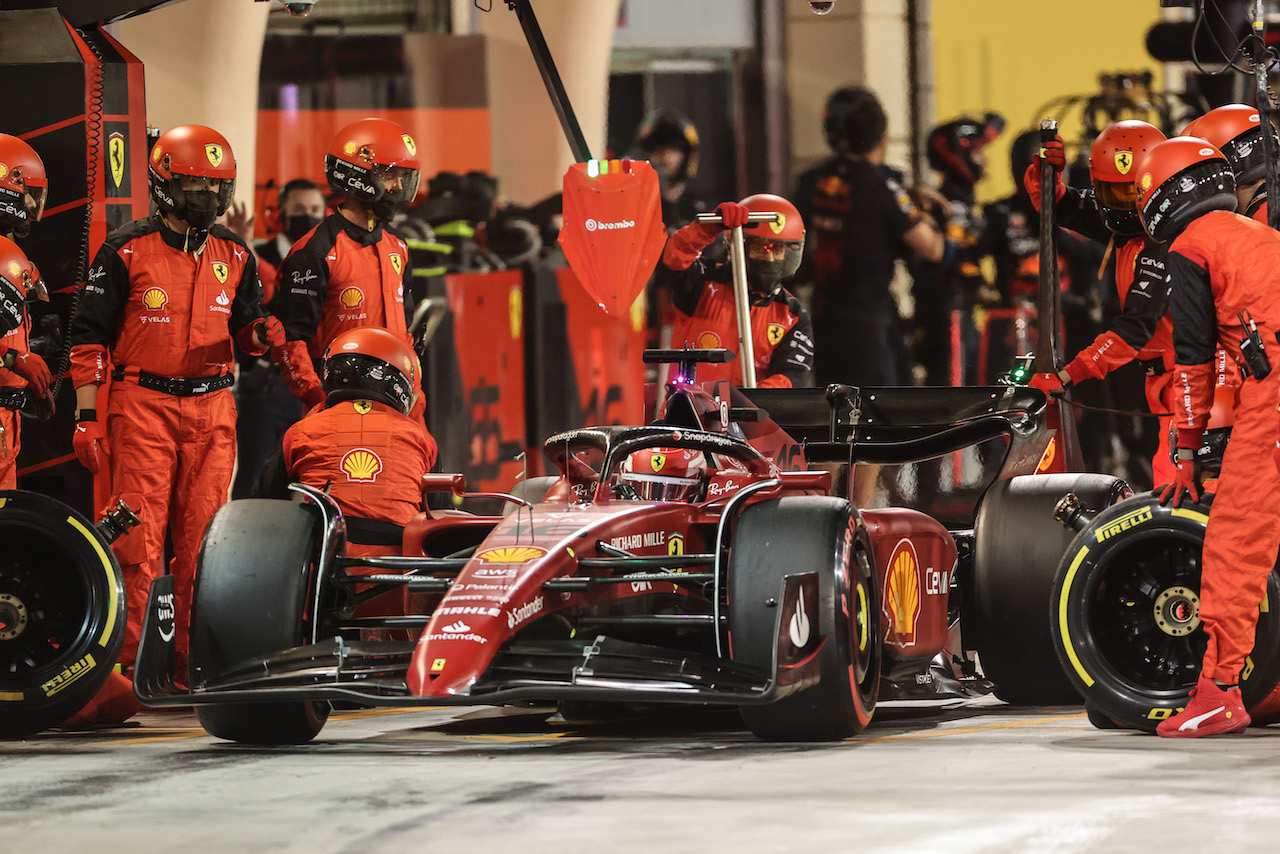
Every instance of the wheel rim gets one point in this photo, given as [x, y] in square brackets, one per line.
[862, 639]
[1143, 612]
[44, 605]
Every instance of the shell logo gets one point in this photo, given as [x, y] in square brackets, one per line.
[409, 143]
[511, 554]
[157, 153]
[1146, 180]
[350, 147]
[708, 341]
[4, 170]
[361, 465]
[351, 297]
[155, 298]
[15, 270]
[903, 589]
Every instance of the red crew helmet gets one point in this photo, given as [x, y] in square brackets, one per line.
[192, 151]
[1180, 179]
[1236, 131]
[21, 174]
[370, 363]
[368, 155]
[774, 249]
[1113, 167]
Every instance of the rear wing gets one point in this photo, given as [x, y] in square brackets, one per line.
[902, 424]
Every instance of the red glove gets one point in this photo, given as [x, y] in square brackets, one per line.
[271, 331]
[1055, 152]
[732, 215]
[1184, 479]
[32, 368]
[1049, 383]
[88, 441]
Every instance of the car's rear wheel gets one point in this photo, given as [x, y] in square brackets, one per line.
[62, 612]
[829, 610]
[1017, 548]
[251, 600]
[1126, 614]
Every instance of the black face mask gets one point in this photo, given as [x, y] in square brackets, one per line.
[296, 227]
[202, 208]
[385, 208]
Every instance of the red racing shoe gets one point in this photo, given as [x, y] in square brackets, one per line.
[1210, 711]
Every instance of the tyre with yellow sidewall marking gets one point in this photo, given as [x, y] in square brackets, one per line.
[62, 612]
[1125, 614]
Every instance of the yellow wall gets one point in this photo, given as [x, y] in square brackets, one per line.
[987, 58]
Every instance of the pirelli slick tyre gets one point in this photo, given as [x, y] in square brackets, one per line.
[253, 583]
[62, 612]
[800, 583]
[1125, 614]
[1017, 548]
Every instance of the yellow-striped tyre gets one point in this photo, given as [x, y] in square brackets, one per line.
[62, 612]
[1125, 614]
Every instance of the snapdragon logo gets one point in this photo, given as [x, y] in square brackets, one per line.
[601, 225]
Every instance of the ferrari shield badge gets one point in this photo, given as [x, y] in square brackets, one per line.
[397, 263]
[658, 461]
[1124, 161]
[220, 272]
[214, 152]
[613, 232]
[115, 155]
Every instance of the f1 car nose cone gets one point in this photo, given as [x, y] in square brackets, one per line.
[1177, 611]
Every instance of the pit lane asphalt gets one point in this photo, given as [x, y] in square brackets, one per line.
[960, 777]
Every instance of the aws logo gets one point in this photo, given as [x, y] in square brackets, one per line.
[351, 297]
[155, 298]
[361, 465]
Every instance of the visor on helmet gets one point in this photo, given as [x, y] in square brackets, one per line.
[656, 487]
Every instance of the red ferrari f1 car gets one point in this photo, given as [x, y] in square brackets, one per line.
[749, 584]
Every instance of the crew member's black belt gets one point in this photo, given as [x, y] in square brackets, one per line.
[1152, 367]
[176, 385]
[13, 398]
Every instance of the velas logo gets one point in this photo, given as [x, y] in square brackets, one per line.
[708, 341]
[361, 465]
[904, 591]
[1124, 161]
[396, 263]
[220, 271]
[511, 554]
[776, 227]
[213, 151]
[155, 298]
[775, 333]
[351, 297]
[409, 143]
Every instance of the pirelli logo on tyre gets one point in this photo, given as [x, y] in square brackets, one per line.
[68, 675]
[1124, 523]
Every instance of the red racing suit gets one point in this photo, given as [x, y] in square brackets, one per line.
[371, 459]
[781, 331]
[1144, 328]
[1220, 265]
[339, 276]
[157, 316]
[12, 394]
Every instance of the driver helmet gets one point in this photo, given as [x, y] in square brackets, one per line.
[1113, 168]
[773, 249]
[366, 155]
[369, 363]
[954, 148]
[21, 175]
[666, 474]
[192, 151]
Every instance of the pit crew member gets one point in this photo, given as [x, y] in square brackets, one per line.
[23, 373]
[350, 270]
[164, 299]
[1107, 213]
[1225, 272]
[702, 292]
[1236, 131]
